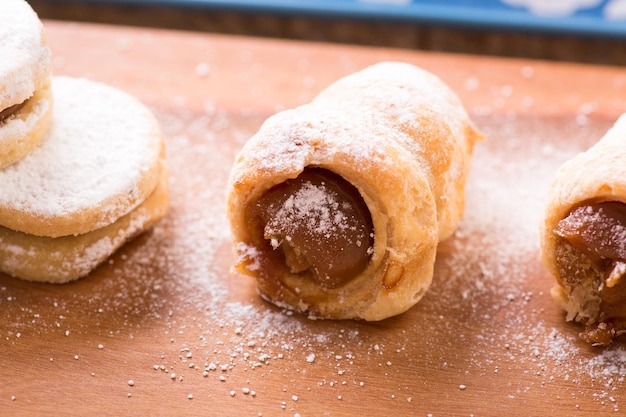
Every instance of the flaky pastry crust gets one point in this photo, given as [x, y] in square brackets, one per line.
[403, 140]
[592, 177]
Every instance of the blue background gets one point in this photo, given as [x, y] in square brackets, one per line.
[486, 14]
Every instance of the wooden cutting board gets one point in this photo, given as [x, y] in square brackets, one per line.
[162, 328]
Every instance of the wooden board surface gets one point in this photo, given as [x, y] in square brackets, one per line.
[163, 329]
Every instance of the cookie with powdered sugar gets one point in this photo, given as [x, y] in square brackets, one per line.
[98, 161]
[97, 180]
[25, 95]
[68, 258]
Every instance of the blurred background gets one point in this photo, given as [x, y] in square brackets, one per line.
[586, 31]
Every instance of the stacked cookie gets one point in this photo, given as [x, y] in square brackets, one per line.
[76, 181]
[25, 97]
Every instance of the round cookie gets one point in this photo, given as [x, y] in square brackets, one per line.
[98, 161]
[67, 258]
[25, 97]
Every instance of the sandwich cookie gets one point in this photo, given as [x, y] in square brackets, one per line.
[25, 95]
[96, 180]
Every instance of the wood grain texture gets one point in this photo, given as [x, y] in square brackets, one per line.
[163, 329]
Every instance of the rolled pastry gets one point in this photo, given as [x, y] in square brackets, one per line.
[337, 207]
[583, 237]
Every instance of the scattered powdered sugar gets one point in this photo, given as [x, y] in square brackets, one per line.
[316, 206]
[504, 207]
[105, 138]
[482, 327]
[249, 255]
[495, 277]
[293, 139]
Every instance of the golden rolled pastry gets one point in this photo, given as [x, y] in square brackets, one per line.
[583, 237]
[336, 207]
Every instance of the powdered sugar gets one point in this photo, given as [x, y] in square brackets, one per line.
[207, 334]
[487, 287]
[599, 227]
[298, 134]
[295, 138]
[100, 143]
[398, 96]
[314, 206]
[497, 245]
[173, 320]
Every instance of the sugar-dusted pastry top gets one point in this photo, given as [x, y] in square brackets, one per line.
[25, 58]
[414, 103]
[337, 206]
[98, 161]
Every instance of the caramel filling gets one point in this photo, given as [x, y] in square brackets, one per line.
[10, 111]
[321, 225]
[593, 262]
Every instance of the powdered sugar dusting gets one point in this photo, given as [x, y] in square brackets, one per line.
[293, 139]
[505, 203]
[105, 138]
[487, 324]
[413, 88]
[290, 138]
[316, 207]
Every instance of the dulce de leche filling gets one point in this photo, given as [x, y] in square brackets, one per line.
[321, 226]
[593, 258]
[10, 111]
